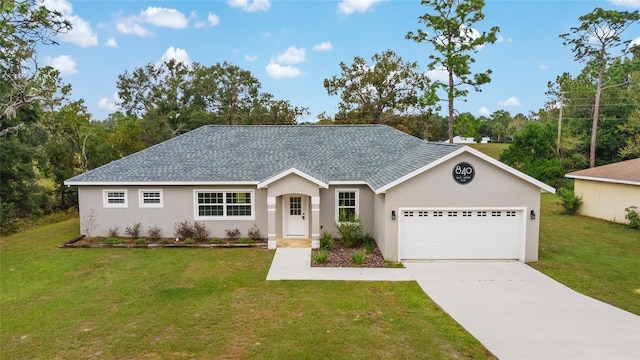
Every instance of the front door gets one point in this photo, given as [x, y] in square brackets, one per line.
[296, 216]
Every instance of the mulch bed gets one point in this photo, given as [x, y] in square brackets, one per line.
[82, 241]
[340, 256]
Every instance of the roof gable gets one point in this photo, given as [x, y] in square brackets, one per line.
[623, 172]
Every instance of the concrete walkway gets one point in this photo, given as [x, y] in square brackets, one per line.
[519, 313]
[295, 264]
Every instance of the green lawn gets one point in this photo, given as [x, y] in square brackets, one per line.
[598, 258]
[492, 149]
[211, 303]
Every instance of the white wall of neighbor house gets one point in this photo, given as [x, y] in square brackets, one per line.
[178, 205]
[606, 201]
[491, 187]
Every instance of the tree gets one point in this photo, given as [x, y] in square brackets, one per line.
[593, 42]
[454, 40]
[631, 129]
[387, 86]
[23, 25]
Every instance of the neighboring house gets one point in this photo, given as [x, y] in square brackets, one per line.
[607, 190]
[419, 200]
[470, 140]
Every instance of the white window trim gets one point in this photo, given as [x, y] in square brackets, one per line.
[224, 204]
[105, 200]
[141, 198]
[337, 202]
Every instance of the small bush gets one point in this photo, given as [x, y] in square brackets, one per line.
[232, 234]
[254, 233]
[369, 242]
[133, 231]
[569, 201]
[189, 241]
[245, 240]
[320, 257]
[200, 232]
[153, 233]
[326, 240]
[111, 241]
[183, 230]
[633, 216]
[357, 257]
[113, 232]
[140, 241]
[351, 233]
[215, 240]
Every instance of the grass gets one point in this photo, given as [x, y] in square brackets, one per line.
[492, 149]
[214, 303]
[598, 258]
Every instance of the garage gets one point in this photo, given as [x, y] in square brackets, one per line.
[446, 233]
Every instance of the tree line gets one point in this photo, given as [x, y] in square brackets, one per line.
[45, 137]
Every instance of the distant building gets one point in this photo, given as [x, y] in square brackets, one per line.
[469, 140]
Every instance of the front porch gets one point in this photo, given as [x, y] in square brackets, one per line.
[293, 243]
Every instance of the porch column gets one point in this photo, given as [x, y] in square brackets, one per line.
[271, 222]
[315, 222]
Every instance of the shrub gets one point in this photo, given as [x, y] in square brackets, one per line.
[113, 232]
[369, 242]
[351, 233]
[133, 231]
[245, 240]
[189, 241]
[183, 230]
[232, 234]
[633, 216]
[254, 233]
[215, 240]
[326, 240]
[153, 233]
[320, 257]
[570, 202]
[111, 241]
[140, 241]
[200, 232]
[357, 257]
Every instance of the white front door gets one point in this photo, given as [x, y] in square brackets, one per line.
[296, 216]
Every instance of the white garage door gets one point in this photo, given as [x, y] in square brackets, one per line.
[460, 234]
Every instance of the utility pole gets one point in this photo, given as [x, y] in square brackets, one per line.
[559, 124]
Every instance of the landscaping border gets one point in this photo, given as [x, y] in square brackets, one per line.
[71, 245]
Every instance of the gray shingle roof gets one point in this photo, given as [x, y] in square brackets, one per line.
[375, 154]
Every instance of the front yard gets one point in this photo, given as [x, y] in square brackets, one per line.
[205, 303]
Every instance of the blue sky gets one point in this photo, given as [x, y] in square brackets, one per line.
[292, 46]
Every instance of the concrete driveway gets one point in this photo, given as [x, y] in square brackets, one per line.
[520, 313]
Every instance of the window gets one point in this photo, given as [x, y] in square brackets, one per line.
[452, 213]
[150, 198]
[295, 205]
[223, 204]
[407, 213]
[347, 205]
[114, 198]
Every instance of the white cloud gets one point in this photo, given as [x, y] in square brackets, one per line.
[635, 42]
[129, 27]
[501, 38]
[109, 104]
[81, 33]
[348, 7]
[627, 3]
[512, 101]
[277, 71]
[484, 111]
[163, 17]
[251, 57]
[292, 56]
[250, 6]
[111, 42]
[179, 55]
[438, 74]
[323, 46]
[213, 19]
[63, 63]
[542, 67]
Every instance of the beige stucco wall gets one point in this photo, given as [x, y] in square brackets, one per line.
[328, 207]
[178, 206]
[606, 200]
[491, 187]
